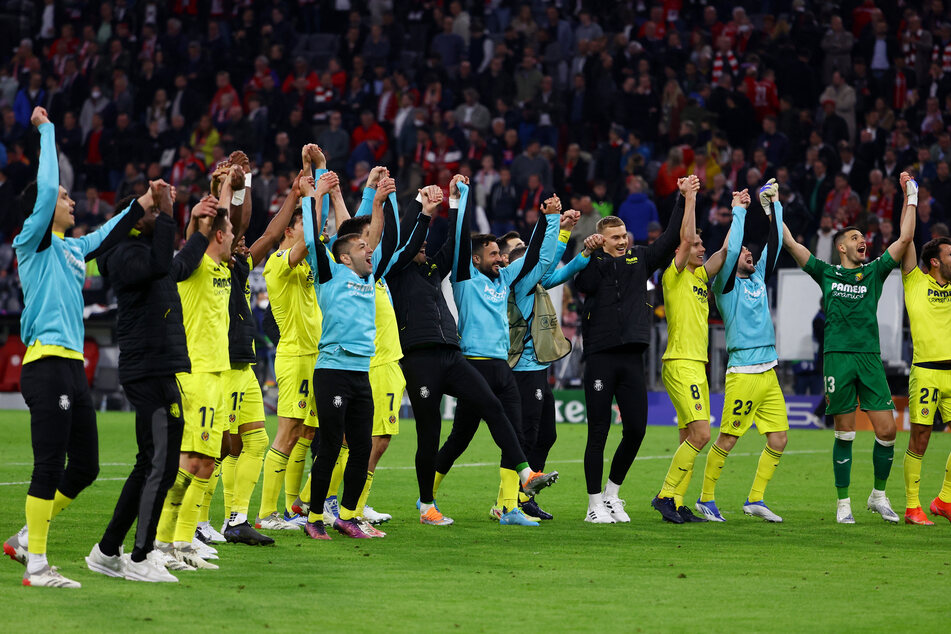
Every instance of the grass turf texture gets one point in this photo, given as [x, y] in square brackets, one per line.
[563, 575]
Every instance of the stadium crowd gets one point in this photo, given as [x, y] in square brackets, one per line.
[606, 103]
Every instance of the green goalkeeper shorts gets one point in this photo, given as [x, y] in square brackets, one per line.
[853, 378]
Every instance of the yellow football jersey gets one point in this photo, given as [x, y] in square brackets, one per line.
[387, 340]
[929, 313]
[687, 307]
[294, 304]
[205, 296]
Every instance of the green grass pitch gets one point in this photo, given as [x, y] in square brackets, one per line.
[565, 575]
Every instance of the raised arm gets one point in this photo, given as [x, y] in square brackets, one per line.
[527, 271]
[38, 226]
[559, 276]
[428, 200]
[108, 235]
[373, 178]
[661, 251]
[903, 249]
[317, 255]
[732, 246]
[462, 248]
[188, 259]
[688, 187]
[799, 252]
[275, 229]
[769, 199]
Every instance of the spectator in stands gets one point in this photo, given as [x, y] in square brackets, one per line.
[637, 210]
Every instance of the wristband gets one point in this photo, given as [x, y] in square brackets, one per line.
[454, 203]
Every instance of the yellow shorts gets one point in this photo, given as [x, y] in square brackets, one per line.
[753, 398]
[388, 384]
[242, 397]
[295, 390]
[686, 383]
[929, 390]
[203, 407]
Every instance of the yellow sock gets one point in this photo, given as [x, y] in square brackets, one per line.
[945, 494]
[510, 484]
[165, 531]
[681, 489]
[60, 502]
[247, 468]
[362, 502]
[768, 461]
[203, 512]
[274, 465]
[680, 466]
[191, 506]
[39, 512]
[437, 480]
[305, 490]
[346, 514]
[337, 476]
[295, 472]
[912, 469]
[716, 458]
[315, 517]
[500, 498]
[228, 467]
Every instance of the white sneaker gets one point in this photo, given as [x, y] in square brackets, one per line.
[109, 565]
[615, 506]
[274, 522]
[759, 509]
[152, 569]
[190, 556]
[166, 553]
[843, 513]
[49, 577]
[599, 514]
[204, 551]
[209, 534]
[878, 503]
[371, 515]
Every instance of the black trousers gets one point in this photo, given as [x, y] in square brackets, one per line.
[432, 372]
[614, 374]
[62, 427]
[538, 416]
[501, 382]
[158, 434]
[344, 406]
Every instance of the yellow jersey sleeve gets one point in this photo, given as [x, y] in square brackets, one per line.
[929, 314]
[290, 291]
[687, 308]
[387, 339]
[205, 296]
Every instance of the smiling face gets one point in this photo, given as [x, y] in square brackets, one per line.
[488, 260]
[615, 240]
[697, 252]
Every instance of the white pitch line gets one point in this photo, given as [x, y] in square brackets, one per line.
[466, 464]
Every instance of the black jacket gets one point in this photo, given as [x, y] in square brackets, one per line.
[150, 331]
[423, 317]
[616, 312]
[241, 327]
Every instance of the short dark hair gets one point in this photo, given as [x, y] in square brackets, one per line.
[517, 252]
[297, 213]
[503, 240]
[932, 250]
[841, 234]
[343, 244]
[481, 241]
[220, 220]
[27, 200]
[353, 225]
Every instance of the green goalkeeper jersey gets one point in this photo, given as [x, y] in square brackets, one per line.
[850, 302]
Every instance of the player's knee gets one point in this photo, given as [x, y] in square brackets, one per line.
[777, 441]
[83, 474]
[699, 437]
